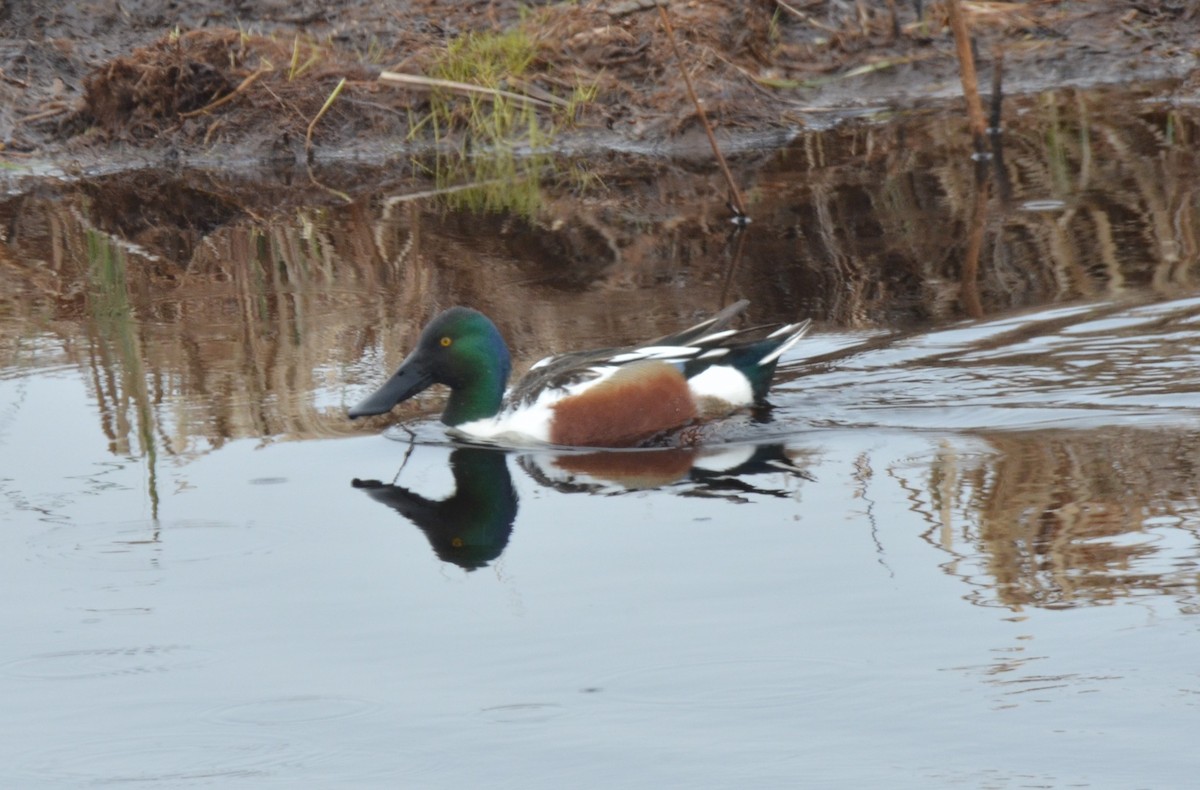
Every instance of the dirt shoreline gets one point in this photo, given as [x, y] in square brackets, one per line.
[111, 85]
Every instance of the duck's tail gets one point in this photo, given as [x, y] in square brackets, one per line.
[757, 360]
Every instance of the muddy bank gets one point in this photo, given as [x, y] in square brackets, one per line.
[212, 82]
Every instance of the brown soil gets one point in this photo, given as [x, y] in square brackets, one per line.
[213, 81]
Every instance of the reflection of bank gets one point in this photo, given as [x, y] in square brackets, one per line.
[471, 527]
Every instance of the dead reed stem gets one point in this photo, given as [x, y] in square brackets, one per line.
[735, 193]
[966, 72]
[796, 12]
[52, 109]
[429, 84]
[324, 109]
[228, 97]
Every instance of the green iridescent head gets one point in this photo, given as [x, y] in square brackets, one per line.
[460, 348]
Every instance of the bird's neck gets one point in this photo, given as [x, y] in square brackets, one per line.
[479, 398]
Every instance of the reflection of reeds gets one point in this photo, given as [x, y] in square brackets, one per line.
[498, 181]
[886, 206]
[118, 373]
[1062, 519]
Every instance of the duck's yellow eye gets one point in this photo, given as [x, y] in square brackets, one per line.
[445, 341]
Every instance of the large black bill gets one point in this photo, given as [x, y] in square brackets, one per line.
[411, 377]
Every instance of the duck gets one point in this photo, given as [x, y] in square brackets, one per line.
[630, 396]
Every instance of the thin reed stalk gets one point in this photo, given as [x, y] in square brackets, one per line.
[735, 194]
[966, 72]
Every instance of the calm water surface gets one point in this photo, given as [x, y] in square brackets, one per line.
[960, 550]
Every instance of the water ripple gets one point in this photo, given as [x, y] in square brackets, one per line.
[137, 546]
[162, 761]
[302, 709]
[105, 662]
[1086, 365]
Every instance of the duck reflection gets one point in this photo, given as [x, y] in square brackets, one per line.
[471, 527]
[723, 471]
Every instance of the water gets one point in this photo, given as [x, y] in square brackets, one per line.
[960, 550]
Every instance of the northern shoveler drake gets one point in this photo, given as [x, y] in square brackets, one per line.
[615, 397]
